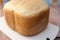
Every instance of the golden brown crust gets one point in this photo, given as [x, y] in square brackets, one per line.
[29, 30]
[26, 24]
[33, 30]
[9, 16]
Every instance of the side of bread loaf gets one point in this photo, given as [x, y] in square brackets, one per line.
[31, 26]
[27, 17]
[9, 15]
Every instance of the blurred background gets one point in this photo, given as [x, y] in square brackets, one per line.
[54, 17]
[53, 2]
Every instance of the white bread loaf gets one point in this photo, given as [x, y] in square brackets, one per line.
[24, 16]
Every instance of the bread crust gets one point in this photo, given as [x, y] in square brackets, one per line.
[27, 25]
[30, 27]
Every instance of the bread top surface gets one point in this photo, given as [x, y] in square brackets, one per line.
[27, 7]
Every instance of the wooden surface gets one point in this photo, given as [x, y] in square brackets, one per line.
[54, 19]
[55, 16]
[3, 36]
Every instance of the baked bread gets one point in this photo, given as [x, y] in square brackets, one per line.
[27, 17]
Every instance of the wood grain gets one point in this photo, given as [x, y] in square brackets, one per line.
[3, 36]
[55, 16]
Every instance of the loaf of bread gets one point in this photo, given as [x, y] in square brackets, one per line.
[27, 17]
